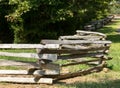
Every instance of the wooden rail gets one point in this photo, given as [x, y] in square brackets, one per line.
[97, 24]
[85, 47]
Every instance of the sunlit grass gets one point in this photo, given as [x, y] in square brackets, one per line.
[95, 80]
[11, 67]
[16, 58]
[112, 35]
[111, 79]
[102, 79]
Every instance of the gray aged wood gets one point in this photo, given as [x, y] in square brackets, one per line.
[26, 72]
[89, 33]
[89, 27]
[51, 69]
[83, 62]
[52, 57]
[26, 55]
[72, 48]
[72, 51]
[79, 56]
[14, 72]
[17, 63]
[77, 37]
[26, 80]
[39, 73]
[89, 47]
[27, 46]
[74, 42]
[79, 73]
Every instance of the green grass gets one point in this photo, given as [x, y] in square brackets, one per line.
[102, 79]
[111, 79]
[112, 35]
[16, 58]
[95, 80]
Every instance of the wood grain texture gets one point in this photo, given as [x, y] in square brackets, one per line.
[26, 80]
[89, 33]
[74, 42]
[28, 46]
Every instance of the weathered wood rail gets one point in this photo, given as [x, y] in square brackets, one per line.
[88, 48]
[94, 25]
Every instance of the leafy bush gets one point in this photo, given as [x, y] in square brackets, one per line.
[35, 19]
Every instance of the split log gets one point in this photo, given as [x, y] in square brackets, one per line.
[25, 55]
[17, 63]
[27, 72]
[89, 27]
[26, 80]
[89, 33]
[21, 72]
[14, 72]
[39, 73]
[63, 51]
[74, 42]
[79, 56]
[51, 69]
[28, 46]
[71, 51]
[52, 57]
[76, 37]
[82, 48]
[83, 62]
[79, 73]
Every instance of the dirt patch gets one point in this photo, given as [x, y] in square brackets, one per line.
[11, 85]
[95, 77]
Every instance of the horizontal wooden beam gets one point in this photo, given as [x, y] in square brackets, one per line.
[76, 37]
[84, 62]
[70, 51]
[26, 80]
[79, 56]
[17, 63]
[88, 48]
[22, 72]
[52, 57]
[89, 32]
[25, 55]
[28, 46]
[74, 42]
[14, 72]
[35, 72]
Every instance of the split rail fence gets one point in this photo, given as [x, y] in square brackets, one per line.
[85, 47]
[97, 24]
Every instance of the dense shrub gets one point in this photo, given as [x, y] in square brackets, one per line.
[32, 20]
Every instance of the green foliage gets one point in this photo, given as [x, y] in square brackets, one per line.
[32, 20]
[115, 7]
[6, 34]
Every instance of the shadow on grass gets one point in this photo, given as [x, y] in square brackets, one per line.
[111, 33]
[114, 38]
[107, 30]
[114, 22]
[103, 84]
[116, 19]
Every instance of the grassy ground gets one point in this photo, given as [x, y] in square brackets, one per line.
[102, 79]
[110, 31]
[111, 79]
